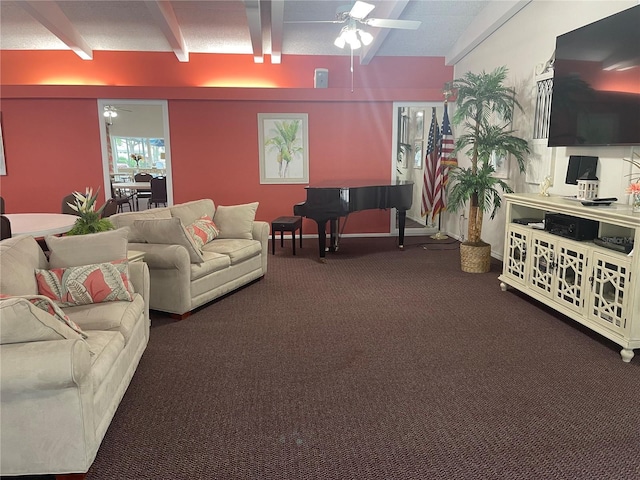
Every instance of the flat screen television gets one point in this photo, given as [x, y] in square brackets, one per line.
[596, 83]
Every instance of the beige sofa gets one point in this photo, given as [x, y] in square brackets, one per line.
[185, 276]
[58, 390]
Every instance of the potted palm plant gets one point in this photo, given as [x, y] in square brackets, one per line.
[485, 108]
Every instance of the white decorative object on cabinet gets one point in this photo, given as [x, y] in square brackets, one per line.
[589, 283]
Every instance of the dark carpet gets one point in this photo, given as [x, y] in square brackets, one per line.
[379, 364]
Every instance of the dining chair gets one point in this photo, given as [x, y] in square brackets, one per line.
[1, 206]
[141, 192]
[121, 200]
[158, 191]
[5, 227]
[110, 208]
[65, 205]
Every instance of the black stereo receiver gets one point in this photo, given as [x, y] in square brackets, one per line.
[567, 226]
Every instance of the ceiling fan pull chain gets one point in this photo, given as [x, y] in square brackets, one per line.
[351, 69]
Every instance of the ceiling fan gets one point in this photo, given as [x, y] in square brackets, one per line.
[358, 12]
[354, 14]
[110, 112]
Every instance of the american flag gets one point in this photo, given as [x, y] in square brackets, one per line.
[446, 159]
[429, 176]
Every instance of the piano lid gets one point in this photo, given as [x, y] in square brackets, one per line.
[356, 183]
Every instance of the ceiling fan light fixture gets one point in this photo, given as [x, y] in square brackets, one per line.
[365, 37]
[340, 42]
[109, 112]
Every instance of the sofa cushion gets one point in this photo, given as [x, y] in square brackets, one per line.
[236, 221]
[127, 219]
[169, 232]
[203, 231]
[21, 321]
[106, 347]
[189, 212]
[112, 316]
[236, 250]
[19, 257]
[86, 284]
[74, 250]
[213, 262]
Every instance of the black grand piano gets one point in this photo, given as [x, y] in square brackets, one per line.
[328, 201]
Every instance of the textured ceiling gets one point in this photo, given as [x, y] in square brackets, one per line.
[225, 26]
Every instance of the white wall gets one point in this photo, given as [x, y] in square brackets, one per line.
[526, 40]
[139, 120]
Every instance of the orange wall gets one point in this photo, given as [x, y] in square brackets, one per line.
[51, 131]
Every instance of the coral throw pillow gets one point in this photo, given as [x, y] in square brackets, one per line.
[44, 303]
[86, 284]
[203, 230]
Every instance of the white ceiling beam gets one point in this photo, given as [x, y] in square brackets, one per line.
[277, 28]
[164, 16]
[53, 19]
[390, 10]
[490, 19]
[254, 19]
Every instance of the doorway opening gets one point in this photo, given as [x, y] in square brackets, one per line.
[134, 135]
[412, 121]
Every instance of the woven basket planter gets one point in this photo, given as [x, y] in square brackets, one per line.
[475, 258]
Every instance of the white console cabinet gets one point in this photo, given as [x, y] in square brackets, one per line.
[591, 284]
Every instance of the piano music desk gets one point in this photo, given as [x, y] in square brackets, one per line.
[285, 224]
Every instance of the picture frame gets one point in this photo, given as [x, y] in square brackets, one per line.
[418, 154]
[3, 165]
[283, 148]
[500, 165]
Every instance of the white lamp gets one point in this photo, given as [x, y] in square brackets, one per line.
[354, 37]
[366, 37]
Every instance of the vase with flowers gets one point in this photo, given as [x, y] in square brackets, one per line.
[136, 157]
[89, 220]
[634, 191]
[634, 188]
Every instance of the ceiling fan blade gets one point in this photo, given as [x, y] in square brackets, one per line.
[389, 23]
[315, 21]
[360, 10]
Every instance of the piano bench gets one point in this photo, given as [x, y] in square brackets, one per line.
[285, 224]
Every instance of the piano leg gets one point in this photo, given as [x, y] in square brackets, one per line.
[322, 238]
[402, 217]
[333, 229]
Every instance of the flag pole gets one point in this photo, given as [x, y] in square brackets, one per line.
[439, 235]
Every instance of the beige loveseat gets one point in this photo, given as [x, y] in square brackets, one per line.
[185, 276]
[58, 390]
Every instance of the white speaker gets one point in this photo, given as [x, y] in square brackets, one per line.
[321, 78]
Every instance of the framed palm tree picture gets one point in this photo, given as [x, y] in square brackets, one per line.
[284, 147]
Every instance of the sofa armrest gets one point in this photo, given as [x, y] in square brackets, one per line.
[170, 276]
[41, 366]
[139, 276]
[260, 232]
[165, 257]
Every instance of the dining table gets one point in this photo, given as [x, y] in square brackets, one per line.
[132, 185]
[135, 186]
[39, 225]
